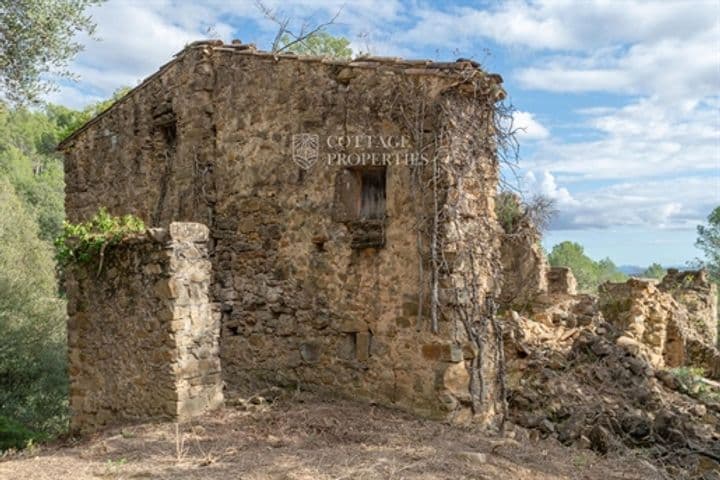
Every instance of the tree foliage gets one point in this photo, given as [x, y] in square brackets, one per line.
[28, 161]
[588, 273]
[69, 120]
[33, 381]
[37, 39]
[709, 242]
[308, 39]
[320, 43]
[655, 270]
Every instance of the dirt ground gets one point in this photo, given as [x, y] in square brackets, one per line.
[303, 436]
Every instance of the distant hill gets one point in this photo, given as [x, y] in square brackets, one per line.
[634, 270]
[631, 269]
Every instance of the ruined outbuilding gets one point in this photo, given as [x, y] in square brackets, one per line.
[671, 323]
[339, 254]
[633, 366]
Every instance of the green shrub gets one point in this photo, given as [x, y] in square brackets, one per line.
[690, 377]
[509, 211]
[33, 377]
[14, 435]
[83, 241]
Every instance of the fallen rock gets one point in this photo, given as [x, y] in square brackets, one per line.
[698, 410]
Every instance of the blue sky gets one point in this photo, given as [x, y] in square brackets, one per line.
[619, 100]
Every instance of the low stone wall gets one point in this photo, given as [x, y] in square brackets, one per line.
[142, 336]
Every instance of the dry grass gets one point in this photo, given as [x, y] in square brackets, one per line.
[313, 438]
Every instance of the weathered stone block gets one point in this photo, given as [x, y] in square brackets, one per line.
[561, 280]
[444, 352]
[457, 381]
[362, 346]
[655, 326]
[310, 352]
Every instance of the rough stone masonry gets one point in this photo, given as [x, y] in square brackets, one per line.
[343, 199]
[142, 337]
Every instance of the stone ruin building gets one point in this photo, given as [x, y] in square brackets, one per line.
[331, 224]
[313, 222]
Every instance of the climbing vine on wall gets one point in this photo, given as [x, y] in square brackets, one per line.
[82, 242]
[445, 194]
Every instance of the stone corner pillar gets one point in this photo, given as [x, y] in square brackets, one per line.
[143, 337]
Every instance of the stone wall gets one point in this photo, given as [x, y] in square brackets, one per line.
[655, 326]
[524, 269]
[561, 280]
[143, 340]
[308, 297]
[313, 290]
[694, 290]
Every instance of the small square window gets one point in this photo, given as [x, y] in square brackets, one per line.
[372, 193]
[360, 203]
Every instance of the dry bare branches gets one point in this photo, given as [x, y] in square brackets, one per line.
[452, 241]
[306, 31]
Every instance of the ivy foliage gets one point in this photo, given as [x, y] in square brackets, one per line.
[81, 242]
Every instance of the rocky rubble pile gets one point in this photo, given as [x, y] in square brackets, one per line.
[570, 378]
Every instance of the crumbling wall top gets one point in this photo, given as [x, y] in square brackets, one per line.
[462, 71]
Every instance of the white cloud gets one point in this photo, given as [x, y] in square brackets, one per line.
[673, 67]
[527, 127]
[514, 23]
[563, 24]
[647, 138]
[137, 37]
[547, 187]
[662, 48]
[666, 204]
[73, 96]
